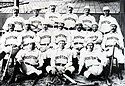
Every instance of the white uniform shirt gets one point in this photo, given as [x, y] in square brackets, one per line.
[27, 35]
[105, 22]
[69, 20]
[11, 38]
[44, 37]
[92, 58]
[32, 57]
[18, 21]
[37, 22]
[51, 17]
[61, 57]
[87, 20]
[111, 39]
[94, 37]
[56, 36]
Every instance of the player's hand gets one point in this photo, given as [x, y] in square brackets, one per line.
[53, 71]
[61, 69]
[8, 49]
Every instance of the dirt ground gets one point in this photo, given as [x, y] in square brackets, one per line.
[78, 78]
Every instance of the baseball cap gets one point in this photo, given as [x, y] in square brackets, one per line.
[106, 8]
[70, 5]
[87, 7]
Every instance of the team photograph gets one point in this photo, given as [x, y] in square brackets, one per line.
[62, 43]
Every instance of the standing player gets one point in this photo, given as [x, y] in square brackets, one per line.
[18, 21]
[106, 20]
[69, 18]
[111, 40]
[95, 36]
[93, 62]
[52, 16]
[61, 60]
[87, 19]
[36, 20]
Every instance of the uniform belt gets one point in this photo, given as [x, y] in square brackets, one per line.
[60, 64]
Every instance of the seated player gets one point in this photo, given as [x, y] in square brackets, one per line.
[92, 61]
[10, 44]
[28, 62]
[61, 60]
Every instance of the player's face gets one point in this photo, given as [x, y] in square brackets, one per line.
[36, 12]
[113, 28]
[78, 45]
[86, 11]
[106, 12]
[11, 27]
[90, 47]
[28, 46]
[16, 12]
[45, 27]
[60, 26]
[52, 8]
[79, 27]
[94, 27]
[44, 46]
[28, 26]
[61, 44]
[70, 9]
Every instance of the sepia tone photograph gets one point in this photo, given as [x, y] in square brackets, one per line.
[62, 43]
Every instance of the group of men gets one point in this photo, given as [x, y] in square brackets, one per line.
[59, 43]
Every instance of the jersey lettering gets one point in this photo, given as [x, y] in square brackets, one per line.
[105, 22]
[70, 18]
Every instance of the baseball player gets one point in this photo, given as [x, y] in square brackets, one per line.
[111, 40]
[78, 36]
[52, 16]
[78, 43]
[93, 61]
[86, 19]
[10, 43]
[27, 33]
[28, 62]
[44, 38]
[95, 36]
[61, 60]
[18, 21]
[61, 31]
[69, 18]
[36, 20]
[106, 20]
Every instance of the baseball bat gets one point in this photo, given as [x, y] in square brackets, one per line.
[110, 70]
[70, 79]
[5, 70]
